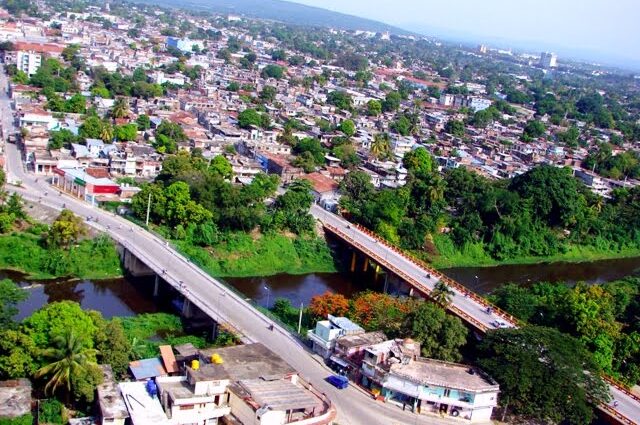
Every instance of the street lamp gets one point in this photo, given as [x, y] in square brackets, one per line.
[268, 295]
[477, 282]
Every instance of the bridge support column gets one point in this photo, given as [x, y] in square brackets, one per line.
[386, 283]
[156, 286]
[411, 292]
[214, 331]
[186, 308]
[353, 261]
[365, 267]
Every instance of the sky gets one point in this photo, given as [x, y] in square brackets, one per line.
[600, 30]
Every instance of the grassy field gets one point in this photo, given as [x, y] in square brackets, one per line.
[247, 255]
[90, 259]
[474, 255]
[149, 331]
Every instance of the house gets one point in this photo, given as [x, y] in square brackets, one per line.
[84, 184]
[394, 371]
[433, 386]
[144, 407]
[246, 384]
[15, 398]
[323, 187]
[326, 333]
[113, 410]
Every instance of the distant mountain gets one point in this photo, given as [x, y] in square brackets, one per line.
[284, 11]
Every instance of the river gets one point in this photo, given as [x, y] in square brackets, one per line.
[127, 297]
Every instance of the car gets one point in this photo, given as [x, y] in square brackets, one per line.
[340, 382]
[499, 324]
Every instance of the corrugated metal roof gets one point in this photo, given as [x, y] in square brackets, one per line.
[147, 368]
[168, 358]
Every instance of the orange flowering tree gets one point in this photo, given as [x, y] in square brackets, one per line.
[329, 303]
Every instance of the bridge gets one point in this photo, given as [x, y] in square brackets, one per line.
[464, 303]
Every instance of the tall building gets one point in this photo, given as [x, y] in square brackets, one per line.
[548, 60]
[28, 62]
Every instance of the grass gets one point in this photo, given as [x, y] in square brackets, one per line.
[151, 330]
[89, 259]
[474, 255]
[246, 255]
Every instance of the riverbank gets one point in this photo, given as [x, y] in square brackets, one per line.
[474, 255]
[248, 255]
[90, 259]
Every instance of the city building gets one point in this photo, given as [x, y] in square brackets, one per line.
[184, 44]
[326, 333]
[548, 60]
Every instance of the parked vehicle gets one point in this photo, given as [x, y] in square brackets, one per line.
[340, 382]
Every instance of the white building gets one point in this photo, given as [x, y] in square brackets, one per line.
[548, 60]
[326, 333]
[28, 62]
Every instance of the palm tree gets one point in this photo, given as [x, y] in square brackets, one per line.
[69, 358]
[380, 147]
[106, 132]
[120, 108]
[442, 294]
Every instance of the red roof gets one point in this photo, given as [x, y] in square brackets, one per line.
[321, 183]
[168, 358]
[38, 47]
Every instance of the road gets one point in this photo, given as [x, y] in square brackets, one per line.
[213, 297]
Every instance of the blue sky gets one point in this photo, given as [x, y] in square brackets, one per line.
[606, 30]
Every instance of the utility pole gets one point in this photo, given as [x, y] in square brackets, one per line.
[300, 318]
[148, 209]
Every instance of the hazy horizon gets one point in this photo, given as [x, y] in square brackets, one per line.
[594, 30]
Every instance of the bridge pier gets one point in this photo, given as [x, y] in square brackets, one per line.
[187, 309]
[386, 283]
[156, 286]
[215, 329]
[353, 261]
[132, 264]
[365, 267]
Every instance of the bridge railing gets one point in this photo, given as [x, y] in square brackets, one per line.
[436, 274]
[418, 285]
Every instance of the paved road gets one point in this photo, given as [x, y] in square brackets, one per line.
[627, 405]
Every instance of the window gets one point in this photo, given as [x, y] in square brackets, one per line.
[187, 407]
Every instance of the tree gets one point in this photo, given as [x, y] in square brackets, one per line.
[120, 108]
[65, 230]
[20, 77]
[441, 294]
[340, 99]
[381, 146]
[10, 296]
[312, 146]
[143, 121]
[391, 102]
[268, 94]
[61, 139]
[419, 162]
[440, 335]
[455, 128]
[272, 71]
[374, 108]
[15, 207]
[91, 128]
[291, 209]
[17, 354]
[248, 118]
[348, 128]
[533, 130]
[221, 166]
[113, 346]
[126, 133]
[329, 303]
[71, 358]
[543, 373]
